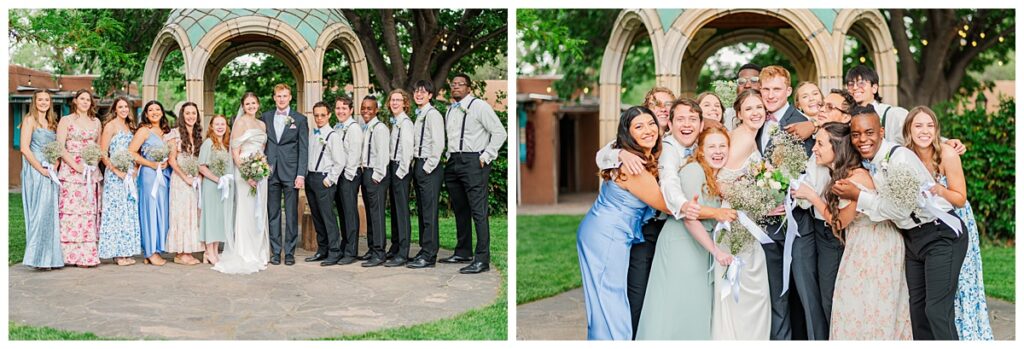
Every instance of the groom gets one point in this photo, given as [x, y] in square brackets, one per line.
[286, 153]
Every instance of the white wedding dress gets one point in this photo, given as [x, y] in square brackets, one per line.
[248, 251]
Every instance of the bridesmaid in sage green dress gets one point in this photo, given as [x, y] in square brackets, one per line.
[218, 211]
[680, 290]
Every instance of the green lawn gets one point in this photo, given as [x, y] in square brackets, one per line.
[487, 323]
[546, 259]
[547, 262]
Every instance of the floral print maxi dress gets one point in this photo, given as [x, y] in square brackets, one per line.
[79, 203]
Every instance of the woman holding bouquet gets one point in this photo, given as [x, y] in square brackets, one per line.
[218, 214]
[871, 299]
[613, 225]
[150, 151]
[921, 132]
[39, 192]
[119, 233]
[79, 209]
[248, 251]
[183, 235]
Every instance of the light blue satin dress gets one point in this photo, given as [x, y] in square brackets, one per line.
[39, 204]
[153, 212]
[603, 241]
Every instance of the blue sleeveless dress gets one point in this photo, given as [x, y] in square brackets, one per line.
[39, 204]
[153, 212]
[603, 241]
[972, 319]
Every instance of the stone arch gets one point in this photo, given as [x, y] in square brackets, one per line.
[228, 52]
[697, 55]
[290, 38]
[171, 38]
[871, 28]
[628, 27]
[341, 36]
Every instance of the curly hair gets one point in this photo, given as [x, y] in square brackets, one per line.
[711, 186]
[190, 142]
[624, 140]
[846, 160]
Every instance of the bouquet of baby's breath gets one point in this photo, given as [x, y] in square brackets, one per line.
[218, 163]
[786, 160]
[122, 160]
[254, 167]
[189, 164]
[91, 154]
[754, 200]
[726, 91]
[158, 153]
[52, 152]
[901, 187]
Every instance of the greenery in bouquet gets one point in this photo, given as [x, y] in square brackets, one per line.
[726, 91]
[122, 160]
[91, 154]
[52, 152]
[755, 201]
[158, 153]
[218, 163]
[189, 164]
[254, 167]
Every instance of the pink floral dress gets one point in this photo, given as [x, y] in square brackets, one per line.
[79, 203]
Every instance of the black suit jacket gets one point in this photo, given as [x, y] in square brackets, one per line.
[288, 157]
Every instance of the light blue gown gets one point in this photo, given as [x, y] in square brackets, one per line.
[119, 228]
[972, 319]
[153, 212]
[39, 204]
[603, 240]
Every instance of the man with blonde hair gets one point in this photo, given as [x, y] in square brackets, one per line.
[286, 150]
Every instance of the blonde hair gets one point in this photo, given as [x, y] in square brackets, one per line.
[649, 97]
[774, 71]
[279, 87]
[51, 116]
[936, 141]
[405, 104]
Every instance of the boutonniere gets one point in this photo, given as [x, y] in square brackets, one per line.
[321, 140]
[772, 128]
[288, 120]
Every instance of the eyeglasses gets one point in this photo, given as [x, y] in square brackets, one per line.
[828, 107]
[859, 83]
[459, 84]
[752, 80]
[659, 104]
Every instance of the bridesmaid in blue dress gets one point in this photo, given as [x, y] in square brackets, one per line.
[153, 210]
[613, 225]
[921, 132]
[38, 192]
[119, 232]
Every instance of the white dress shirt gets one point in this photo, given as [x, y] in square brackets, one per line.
[673, 157]
[332, 161]
[402, 144]
[351, 133]
[894, 118]
[375, 149]
[279, 121]
[878, 209]
[429, 141]
[474, 127]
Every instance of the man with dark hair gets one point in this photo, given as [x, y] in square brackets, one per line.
[346, 196]
[747, 77]
[475, 134]
[326, 161]
[428, 146]
[374, 180]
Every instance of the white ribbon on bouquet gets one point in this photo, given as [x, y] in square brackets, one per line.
[52, 172]
[931, 205]
[224, 185]
[159, 179]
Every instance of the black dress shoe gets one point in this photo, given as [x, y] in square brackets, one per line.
[420, 263]
[347, 260]
[365, 257]
[289, 260]
[329, 262]
[275, 260]
[373, 262]
[317, 257]
[396, 262]
[457, 259]
[389, 256]
[475, 268]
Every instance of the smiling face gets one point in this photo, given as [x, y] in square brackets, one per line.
[660, 105]
[281, 98]
[368, 109]
[922, 130]
[421, 97]
[121, 109]
[716, 150]
[460, 88]
[752, 112]
[832, 109]
[396, 103]
[863, 91]
[712, 108]
[823, 152]
[42, 102]
[321, 116]
[644, 131]
[775, 93]
[190, 115]
[866, 135]
[342, 111]
[808, 99]
[250, 105]
[219, 125]
[153, 114]
[686, 125]
[747, 77]
[83, 102]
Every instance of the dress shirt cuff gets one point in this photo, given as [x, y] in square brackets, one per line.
[865, 201]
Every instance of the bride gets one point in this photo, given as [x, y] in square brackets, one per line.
[249, 249]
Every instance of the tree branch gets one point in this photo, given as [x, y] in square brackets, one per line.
[390, 37]
[371, 48]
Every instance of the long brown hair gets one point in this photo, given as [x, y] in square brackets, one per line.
[711, 186]
[129, 121]
[219, 144]
[51, 116]
[624, 140]
[190, 142]
[92, 103]
[936, 141]
[846, 160]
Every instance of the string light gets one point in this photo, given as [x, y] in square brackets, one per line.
[966, 27]
[894, 51]
[586, 90]
[982, 35]
[1000, 39]
[549, 89]
[962, 33]
[963, 42]
[974, 43]
[862, 59]
[924, 42]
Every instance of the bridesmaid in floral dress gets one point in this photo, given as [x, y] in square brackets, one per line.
[921, 132]
[119, 230]
[185, 140]
[152, 182]
[38, 192]
[79, 197]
